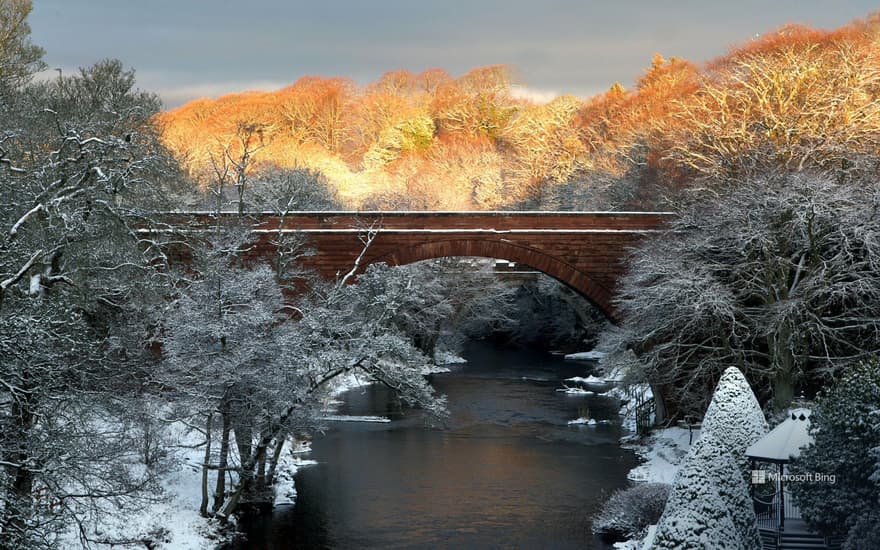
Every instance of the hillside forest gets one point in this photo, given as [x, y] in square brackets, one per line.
[796, 99]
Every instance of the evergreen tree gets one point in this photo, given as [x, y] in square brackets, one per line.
[846, 428]
[734, 416]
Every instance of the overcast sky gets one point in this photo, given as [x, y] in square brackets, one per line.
[184, 49]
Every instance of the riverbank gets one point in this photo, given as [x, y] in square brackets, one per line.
[663, 452]
[172, 519]
[169, 518]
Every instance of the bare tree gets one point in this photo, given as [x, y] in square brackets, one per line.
[19, 58]
[778, 278]
[233, 164]
[800, 106]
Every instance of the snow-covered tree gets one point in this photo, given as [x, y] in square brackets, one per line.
[707, 489]
[440, 301]
[283, 192]
[550, 314]
[80, 169]
[776, 276]
[220, 346]
[734, 417]
[234, 352]
[717, 459]
[696, 516]
[844, 424]
[343, 329]
[287, 190]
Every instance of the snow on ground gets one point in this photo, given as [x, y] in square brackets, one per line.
[574, 391]
[291, 461]
[587, 421]
[173, 520]
[433, 369]
[445, 357]
[663, 452]
[588, 380]
[585, 356]
[347, 418]
[629, 398]
[643, 544]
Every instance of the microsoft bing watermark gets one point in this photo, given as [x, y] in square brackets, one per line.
[759, 477]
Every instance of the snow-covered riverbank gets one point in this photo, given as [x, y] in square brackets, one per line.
[662, 451]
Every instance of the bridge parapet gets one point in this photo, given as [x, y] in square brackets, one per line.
[498, 221]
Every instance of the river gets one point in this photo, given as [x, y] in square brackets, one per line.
[507, 471]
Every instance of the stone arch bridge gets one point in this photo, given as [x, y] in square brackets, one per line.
[584, 250]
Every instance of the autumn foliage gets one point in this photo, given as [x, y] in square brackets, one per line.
[791, 100]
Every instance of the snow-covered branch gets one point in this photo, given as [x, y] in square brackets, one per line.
[367, 237]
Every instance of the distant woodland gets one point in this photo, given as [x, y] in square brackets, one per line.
[797, 99]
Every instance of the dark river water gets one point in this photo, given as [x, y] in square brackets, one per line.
[506, 472]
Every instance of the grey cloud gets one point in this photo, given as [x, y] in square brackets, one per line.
[566, 45]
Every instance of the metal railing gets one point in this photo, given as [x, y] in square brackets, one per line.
[644, 415]
[771, 511]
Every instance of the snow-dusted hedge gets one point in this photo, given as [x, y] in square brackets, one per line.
[630, 511]
[734, 416]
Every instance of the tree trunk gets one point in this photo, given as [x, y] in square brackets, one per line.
[783, 389]
[19, 501]
[222, 461]
[783, 369]
[260, 481]
[246, 482]
[431, 342]
[244, 437]
[276, 455]
[209, 425]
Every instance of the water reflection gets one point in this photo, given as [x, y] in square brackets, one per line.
[507, 471]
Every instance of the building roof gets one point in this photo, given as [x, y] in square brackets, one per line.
[785, 441]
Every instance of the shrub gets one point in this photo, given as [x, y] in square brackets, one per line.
[629, 511]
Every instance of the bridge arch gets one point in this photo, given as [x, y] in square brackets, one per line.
[584, 250]
[552, 266]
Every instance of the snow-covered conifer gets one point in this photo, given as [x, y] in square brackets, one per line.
[696, 515]
[708, 499]
[734, 416]
[714, 458]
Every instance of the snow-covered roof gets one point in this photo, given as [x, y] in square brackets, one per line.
[785, 441]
